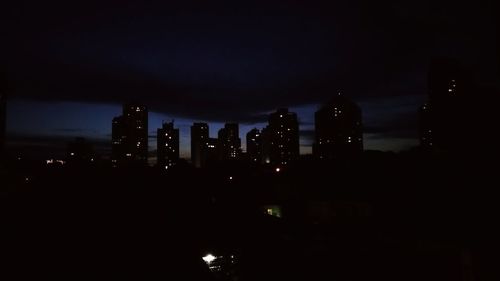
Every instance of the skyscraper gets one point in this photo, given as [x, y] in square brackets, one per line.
[130, 135]
[212, 151]
[425, 126]
[443, 117]
[229, 145]
[338, 129]
[80, 152]
[254, 145]
[117, 137]
[280, 142]
[199, 143]
[167, 146]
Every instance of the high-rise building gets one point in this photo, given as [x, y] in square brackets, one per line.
[338, 129]
[199, 143]
[212, 151]
[229, 145]
[254, 145]
[280, 139]
[266, 145]
[425, 126]
[167, 146]
[130, 135]
[117, 137]
[80, 152]
[444, 116]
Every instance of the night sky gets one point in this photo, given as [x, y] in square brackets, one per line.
[70, 65]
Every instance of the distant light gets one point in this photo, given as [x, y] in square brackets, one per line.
[72, 154]
[91, 159]
[166, 167]
[230, 178]
[281, 116]
[278, 170]
[209, 258]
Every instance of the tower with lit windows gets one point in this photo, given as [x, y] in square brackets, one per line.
[167, 146]
[229, 142]
[254, 145]
[444, 117]
[130, 136]
[280, 139]
[338, 130]
[199, 144]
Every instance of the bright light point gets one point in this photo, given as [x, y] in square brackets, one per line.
[72, 154]
[209, 258]
[278, 170]
[230, 178]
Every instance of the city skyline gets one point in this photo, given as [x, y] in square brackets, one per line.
[250, 140]
[224, 63]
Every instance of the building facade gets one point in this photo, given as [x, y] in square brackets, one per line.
[229, 145]
[167, 146]
[280, 139]
[338, 130]
[254, 145]
[130, 136]
[199, 144]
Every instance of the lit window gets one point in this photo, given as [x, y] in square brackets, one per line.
[209, 258]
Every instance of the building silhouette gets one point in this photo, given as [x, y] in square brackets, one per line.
[338, 130]
[229, 145]
[199, 144]
[80, 152]
[443, 117]
[130, 136]
[212, 151]
[167, 146]
[254, 145]
[280, 139]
